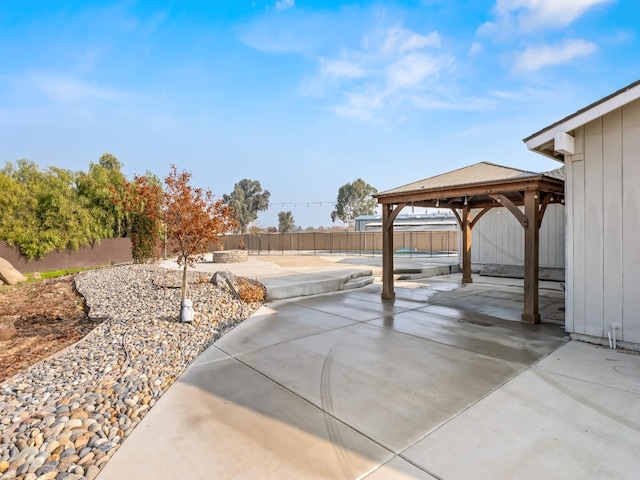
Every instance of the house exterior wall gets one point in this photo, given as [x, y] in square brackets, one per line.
[603, 227]
[498, 238]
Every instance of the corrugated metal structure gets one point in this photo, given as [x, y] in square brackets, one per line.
[432, 221]
[498, 238]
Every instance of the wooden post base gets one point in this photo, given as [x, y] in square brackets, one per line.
[530, 318]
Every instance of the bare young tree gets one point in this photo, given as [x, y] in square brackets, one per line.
[193, 220]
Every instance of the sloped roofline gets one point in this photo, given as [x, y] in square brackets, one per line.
[540, 141]
[402, 188]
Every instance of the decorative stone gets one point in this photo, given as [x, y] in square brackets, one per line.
[219, 279]
[8, 274]
[79, 405]
[7, 331]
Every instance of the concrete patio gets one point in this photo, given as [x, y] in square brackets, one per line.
[440, 383]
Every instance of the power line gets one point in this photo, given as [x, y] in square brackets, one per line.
[302, 204]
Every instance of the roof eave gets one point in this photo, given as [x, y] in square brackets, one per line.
[471, 188]
[542, 142]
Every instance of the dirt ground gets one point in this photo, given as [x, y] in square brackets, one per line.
[48, 315]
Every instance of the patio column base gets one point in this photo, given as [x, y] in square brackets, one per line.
[467, 280]
[388, 296]
[530, 318]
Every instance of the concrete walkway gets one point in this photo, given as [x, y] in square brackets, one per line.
[292, 276]
[437, 384]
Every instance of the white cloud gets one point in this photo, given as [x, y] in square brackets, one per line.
[475, 49]
[284, 4]
[530, 15]
[69, 89]
[371, 73]
[362, 105]
[412, 69]
[400, 40]
[534, 58]
[340, 69]
[392, 68]
[59, 88]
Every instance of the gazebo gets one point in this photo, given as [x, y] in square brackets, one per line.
[470, 192]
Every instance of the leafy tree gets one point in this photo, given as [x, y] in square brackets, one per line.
[286, 223]
[42, 211]
[100, 186]
[354, 199]
[193, 220]
[246, 200]
[142, 202]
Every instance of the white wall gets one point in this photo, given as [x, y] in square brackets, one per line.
[603, 226]
[498, 238]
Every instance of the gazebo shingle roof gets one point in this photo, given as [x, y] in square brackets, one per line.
[482, 172]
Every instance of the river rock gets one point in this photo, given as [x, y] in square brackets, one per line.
[8, 274]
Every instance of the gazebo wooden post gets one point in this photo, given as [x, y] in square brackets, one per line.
[387, 252]
[466, 244]
[531, 256]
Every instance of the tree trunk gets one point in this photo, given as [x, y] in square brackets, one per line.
[184, 281]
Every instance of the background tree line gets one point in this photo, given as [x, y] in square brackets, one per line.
[43, 210]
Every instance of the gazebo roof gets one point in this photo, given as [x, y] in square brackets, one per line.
[473, 174]
[473, 184]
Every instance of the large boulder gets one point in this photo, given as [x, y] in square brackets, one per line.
[7, 331]
[220, 278]
[8, 274]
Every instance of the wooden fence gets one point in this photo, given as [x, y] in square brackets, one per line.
[118, 250]
[358, 243]
[106, 252]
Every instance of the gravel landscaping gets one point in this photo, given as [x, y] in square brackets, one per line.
[64, 417]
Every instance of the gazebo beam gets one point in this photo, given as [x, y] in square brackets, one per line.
[531, 257]
[473, 190]
[389, 214]
[479, 215]
[512, 207]
[466, 244]
[546, 199]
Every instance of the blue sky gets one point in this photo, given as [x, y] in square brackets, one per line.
[303, 96]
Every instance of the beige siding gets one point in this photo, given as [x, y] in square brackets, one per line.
[498, 238]
[603, 202]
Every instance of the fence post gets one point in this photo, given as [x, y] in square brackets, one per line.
[410, 244]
